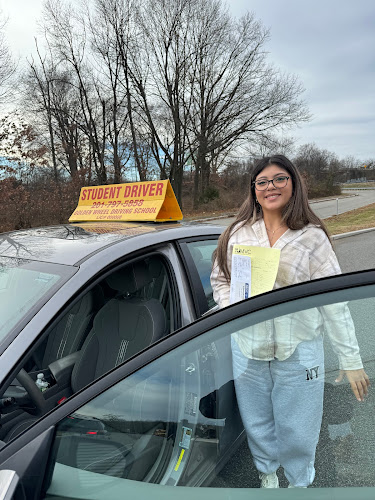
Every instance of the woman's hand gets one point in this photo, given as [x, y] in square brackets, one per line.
[359, 381]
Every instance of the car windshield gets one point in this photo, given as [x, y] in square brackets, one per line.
[24, 287]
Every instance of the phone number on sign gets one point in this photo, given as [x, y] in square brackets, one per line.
[117, 204]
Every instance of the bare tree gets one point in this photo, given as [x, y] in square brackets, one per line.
[167, 40]
[66, 33]
[370, 163]
[319, 167]
[38, 83]
[269, 144]
[50, 101]
[313, 160]
[7, 66]
[236, 95]
[181, 80]
[209, 87]
[350, 162]
[110, 33]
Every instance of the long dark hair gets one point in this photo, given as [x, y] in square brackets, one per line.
[296, 213]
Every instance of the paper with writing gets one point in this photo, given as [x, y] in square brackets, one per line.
[263, 264]
[240, 282]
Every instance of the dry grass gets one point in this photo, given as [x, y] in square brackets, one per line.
[359, 185]
[361, 218]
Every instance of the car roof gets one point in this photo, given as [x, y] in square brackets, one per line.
[70, 244]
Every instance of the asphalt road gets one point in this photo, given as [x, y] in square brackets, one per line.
[356, 253]
[328, 208]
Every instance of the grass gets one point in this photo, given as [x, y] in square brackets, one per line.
[361, 218]
[359, 185]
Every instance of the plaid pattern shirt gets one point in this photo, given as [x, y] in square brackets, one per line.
[305, 254]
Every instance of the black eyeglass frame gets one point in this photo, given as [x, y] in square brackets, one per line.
[287, 177]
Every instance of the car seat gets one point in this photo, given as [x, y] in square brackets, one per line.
[124, 326]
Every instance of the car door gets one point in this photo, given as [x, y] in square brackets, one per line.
[171, 417]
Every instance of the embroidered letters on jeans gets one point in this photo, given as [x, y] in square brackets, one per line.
[312, 373]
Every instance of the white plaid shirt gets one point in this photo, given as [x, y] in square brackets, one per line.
[305, 254]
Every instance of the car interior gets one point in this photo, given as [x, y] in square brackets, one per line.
[201, 253]
[124, 313]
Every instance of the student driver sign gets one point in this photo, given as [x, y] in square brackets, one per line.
[137, 201]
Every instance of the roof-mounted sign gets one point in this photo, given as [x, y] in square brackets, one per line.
[136, 201]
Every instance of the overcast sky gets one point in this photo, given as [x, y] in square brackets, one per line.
[329, 44]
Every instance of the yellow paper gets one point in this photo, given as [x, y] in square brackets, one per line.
[264, 266]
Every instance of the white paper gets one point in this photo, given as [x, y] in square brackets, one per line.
[240, 283]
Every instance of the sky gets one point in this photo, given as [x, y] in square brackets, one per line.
[328, 44]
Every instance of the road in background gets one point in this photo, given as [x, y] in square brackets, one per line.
[328, 208]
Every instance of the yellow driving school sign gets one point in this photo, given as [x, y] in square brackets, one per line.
[136, 201]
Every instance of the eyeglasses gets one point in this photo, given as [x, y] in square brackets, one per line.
[278, 182]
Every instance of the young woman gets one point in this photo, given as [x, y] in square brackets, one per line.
[278, 365]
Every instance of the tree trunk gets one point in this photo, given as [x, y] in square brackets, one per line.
[196, 185]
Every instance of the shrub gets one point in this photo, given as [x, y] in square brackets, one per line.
[210, 194]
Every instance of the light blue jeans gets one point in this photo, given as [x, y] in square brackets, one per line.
[281, 405]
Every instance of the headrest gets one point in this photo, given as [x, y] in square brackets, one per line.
[155, 266]
[94, 299]
[130, 278]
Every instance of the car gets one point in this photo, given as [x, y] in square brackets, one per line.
[141, 397]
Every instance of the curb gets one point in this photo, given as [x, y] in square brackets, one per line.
[340, 197]
[352, 233]
[205, 219]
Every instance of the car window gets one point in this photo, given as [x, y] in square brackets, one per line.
[24, 285]
[122, 314]
[201, 414]
[201, 254]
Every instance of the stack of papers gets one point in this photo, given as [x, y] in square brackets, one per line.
[254, 271]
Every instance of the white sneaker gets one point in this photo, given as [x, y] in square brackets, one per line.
[291, 486]
[268, 480]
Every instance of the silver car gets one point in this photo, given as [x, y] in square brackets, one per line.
[132, 410]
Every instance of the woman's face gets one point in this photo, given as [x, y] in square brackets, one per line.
[274, 199]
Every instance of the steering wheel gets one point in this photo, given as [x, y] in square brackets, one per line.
[34, 392]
